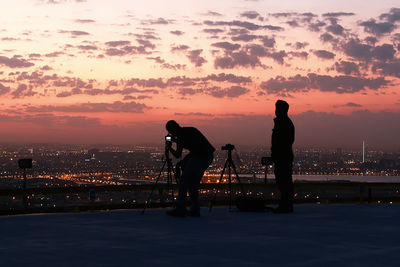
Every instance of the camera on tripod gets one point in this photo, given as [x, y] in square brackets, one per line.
[169, 139]
[228, 147]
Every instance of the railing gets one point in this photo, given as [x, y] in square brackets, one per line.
[84, 198]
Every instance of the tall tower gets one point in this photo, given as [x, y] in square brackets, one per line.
[363, 152]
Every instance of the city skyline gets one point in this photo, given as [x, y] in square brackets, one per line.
[100, 72]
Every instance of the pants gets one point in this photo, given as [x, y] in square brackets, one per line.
[193, 171]
[283, 177]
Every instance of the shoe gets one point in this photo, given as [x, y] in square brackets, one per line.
[176, 213]
[282, 209]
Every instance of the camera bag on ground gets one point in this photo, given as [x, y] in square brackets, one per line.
[250, 204]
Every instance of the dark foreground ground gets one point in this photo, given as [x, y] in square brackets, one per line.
[315, 235]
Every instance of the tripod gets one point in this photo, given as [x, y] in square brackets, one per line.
[228, 165]
[170, 172]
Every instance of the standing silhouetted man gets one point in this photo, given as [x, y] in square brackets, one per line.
[194, 165]
[282, 155]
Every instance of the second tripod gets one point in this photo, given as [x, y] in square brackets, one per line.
[229, 165]
[170, 172]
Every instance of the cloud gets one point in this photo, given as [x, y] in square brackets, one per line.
[226, 46]
[4, 89]
[240, 58]
[75, 34]
[300, 45]
[213, 31]
[354, 105]
[199, 114]
[268, 41]
[127, 50]
[393, 16]
[324, 83]
[84, 21]
[222, 77]
[178, 33]
[303, 55]
[189, 91]
[54, 54]
[10, 39]
[195, 58]
[355, 49]
[245, 37]
[338, 14]
[248, 56]
[232, 92]
[118, 43]
[151, 82]
[387, 68]
[23, 91]
[159, 21]
[157, 59]
[15, 62]
[213, 14]
[243, 24]
[347, 68]
[324, 54]
[377, 28]
[250, 14]
[87, 47]
[316, 26]
[179, 48]
[335, 29]
[115, 107]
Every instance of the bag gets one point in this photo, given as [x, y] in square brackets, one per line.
[250, 204]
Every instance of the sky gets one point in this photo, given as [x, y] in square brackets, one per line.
[97, 71]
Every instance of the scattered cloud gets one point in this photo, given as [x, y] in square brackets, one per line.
[199, 114]
[323, 54]
[115, 107]
[338, 14]
[15, 62]
[196, 58]
[243, 24]
[324, 83]
[226, 46]
[74, 34]
[4, 89]
[176, 32]
[250, 14]
[354, 105]
[84, 21]
[348, 68]
[377, 28]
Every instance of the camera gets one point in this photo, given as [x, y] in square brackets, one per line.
[25, 163]
[265, 161]
[228, 147]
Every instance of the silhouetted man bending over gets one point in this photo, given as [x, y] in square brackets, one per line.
[282, 155]
[195, 163]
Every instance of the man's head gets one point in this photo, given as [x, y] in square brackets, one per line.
[281, 108]
[173, 127]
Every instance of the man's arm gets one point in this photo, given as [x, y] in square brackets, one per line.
[178, 152]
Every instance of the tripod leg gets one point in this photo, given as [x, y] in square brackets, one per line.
[230, 185]
[152, 190]
[170, 184]
[220, 180]
[237, 176]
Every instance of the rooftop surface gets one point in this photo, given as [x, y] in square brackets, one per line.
[314, 235]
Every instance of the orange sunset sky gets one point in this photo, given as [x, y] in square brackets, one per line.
[97, 71]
